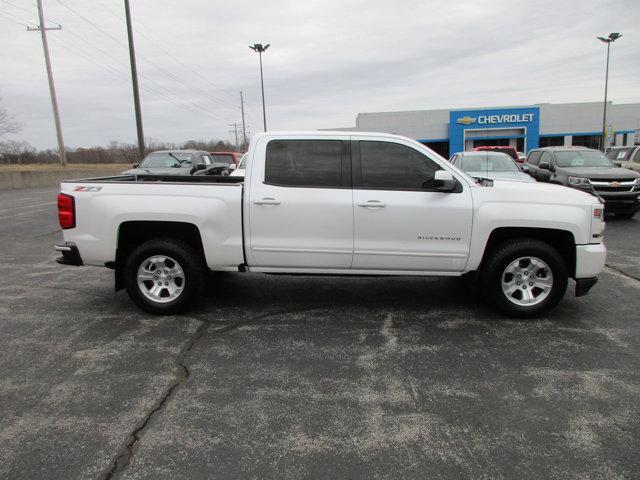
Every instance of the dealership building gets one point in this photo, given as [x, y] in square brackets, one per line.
[522, 127]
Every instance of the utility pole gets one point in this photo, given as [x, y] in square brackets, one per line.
[235, 131]
[52, 87]
[134, 81]
[244, 129]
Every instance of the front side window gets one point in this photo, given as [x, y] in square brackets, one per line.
[392, 166]
[206, 159]
[304, 163]
[582, 158]
[534, 158]
[546, 157]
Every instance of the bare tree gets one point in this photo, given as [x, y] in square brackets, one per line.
[8, 123]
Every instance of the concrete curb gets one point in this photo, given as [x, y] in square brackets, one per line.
[28, 179]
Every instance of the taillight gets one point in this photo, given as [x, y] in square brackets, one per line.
[66, 211]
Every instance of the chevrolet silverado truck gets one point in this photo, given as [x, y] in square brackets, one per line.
[335, 203]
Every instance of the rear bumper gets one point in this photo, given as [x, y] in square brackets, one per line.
[70, 254]
[590, 260]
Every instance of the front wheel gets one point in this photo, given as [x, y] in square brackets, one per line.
[524, 278]
[163, 276]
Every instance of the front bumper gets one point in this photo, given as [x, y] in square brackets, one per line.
[590, 260]
[70, 254]
[627, 201]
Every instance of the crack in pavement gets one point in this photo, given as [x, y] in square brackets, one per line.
[182, 373]
[123, 460]
[619, 271]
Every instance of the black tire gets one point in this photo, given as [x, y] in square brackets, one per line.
[628, 216]
[491, 276]
[188, 258]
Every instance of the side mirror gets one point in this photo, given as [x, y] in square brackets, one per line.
[443, 181]
[136, 165]
[524, 168]
[544, 166]
[232, 167]
[201, 166]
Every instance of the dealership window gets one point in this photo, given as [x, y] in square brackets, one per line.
[492, 142]
[441, 148]
[551, 141]
[589, 141]
[392, 166]
[309, 163]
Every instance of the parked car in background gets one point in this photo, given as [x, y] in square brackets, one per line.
[174, 162]
[508, 150]
[521, 157]
[493, 165]
[588, 170]
[625, 157]
[239, 172]
[231, 159]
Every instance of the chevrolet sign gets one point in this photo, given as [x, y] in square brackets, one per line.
[505, 118]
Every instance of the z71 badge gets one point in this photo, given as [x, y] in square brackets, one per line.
[87, 189]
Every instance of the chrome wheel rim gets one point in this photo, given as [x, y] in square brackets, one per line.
[161, 279]
[527, 281]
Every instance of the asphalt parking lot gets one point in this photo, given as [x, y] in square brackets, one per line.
[314, 377]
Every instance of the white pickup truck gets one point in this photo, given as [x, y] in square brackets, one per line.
[335, 203]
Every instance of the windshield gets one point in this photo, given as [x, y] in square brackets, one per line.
[582, 158]
[243, 162]
[167, 160]
[226, 159]
[488, 163]
[620, 154]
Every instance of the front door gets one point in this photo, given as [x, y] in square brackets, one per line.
[400, 221]
[300, 206]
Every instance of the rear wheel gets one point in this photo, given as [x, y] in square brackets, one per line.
[163, 276]
[524, 278]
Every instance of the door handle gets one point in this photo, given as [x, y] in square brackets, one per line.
[372, 204]
[267, 201]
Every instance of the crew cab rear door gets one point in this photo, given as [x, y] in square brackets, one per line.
[400, 222]
[300, 206]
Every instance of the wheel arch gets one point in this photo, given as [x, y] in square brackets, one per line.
[133, 233]
[562, 240]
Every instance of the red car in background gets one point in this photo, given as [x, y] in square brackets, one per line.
[511, 151]
[230, 158]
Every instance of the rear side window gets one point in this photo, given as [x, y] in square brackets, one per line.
[304, 163]
[392, 166]
[534, 158]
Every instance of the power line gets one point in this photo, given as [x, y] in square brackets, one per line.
[15, 19]
[172, 57]
[123, 76]
[171, 75]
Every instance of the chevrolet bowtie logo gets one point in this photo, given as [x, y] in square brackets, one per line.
[614, 184]
[466, 120]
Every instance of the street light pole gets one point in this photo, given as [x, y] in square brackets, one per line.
[611, 38]
[258, 47]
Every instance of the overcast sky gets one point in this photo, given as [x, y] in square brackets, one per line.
[328, 61]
